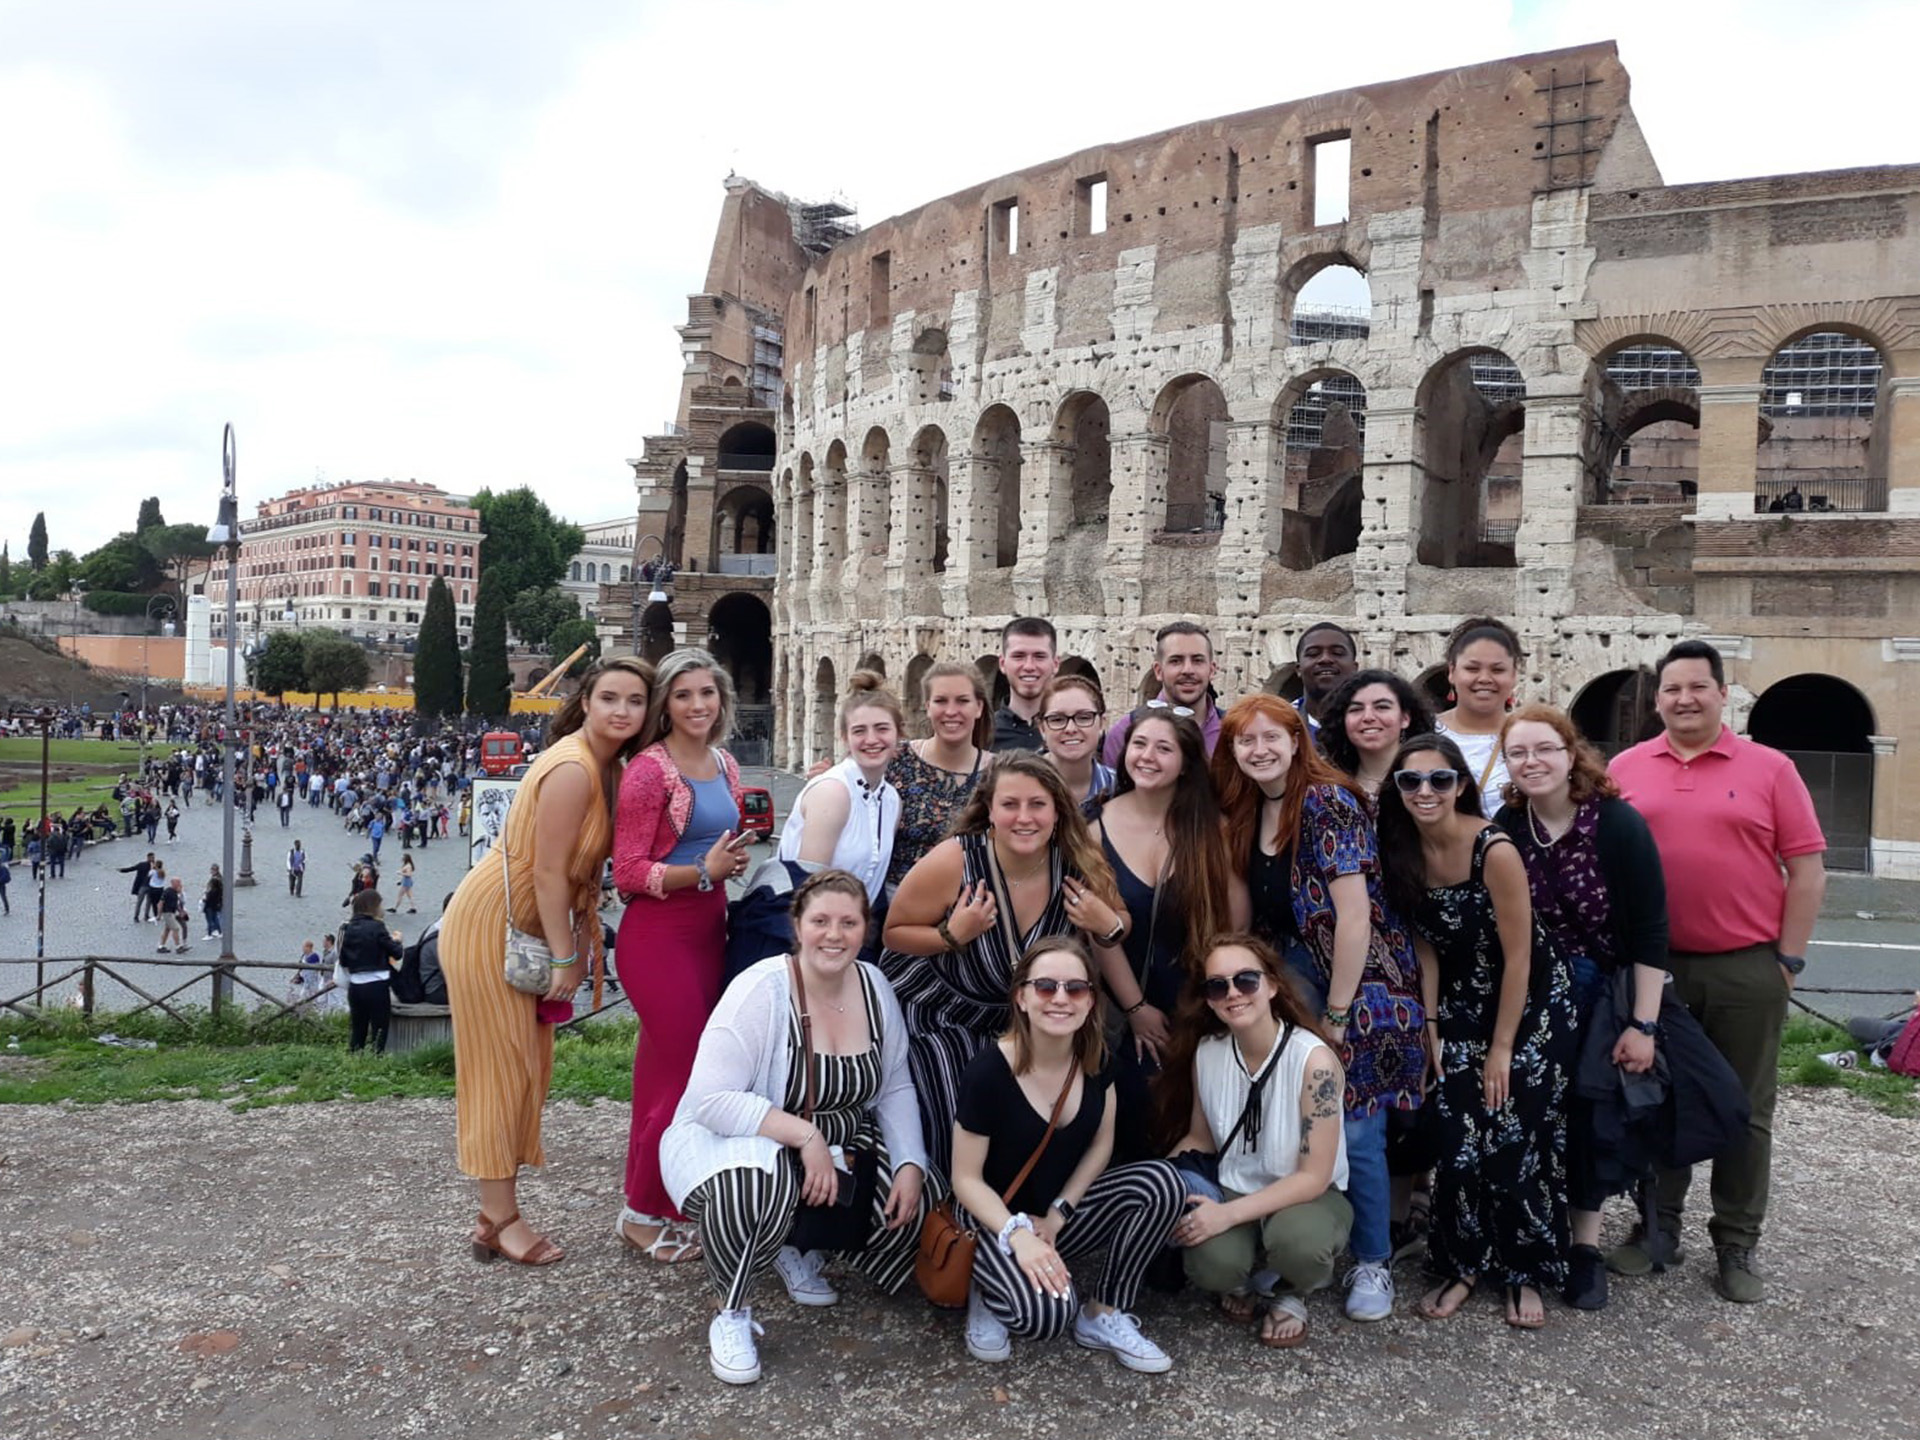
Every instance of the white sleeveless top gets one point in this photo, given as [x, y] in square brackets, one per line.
[1222, 1083]
[1488, 765]
[865, 847]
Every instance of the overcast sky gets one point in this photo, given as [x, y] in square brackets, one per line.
[449, 239]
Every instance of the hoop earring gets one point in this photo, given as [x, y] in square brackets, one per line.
[1509, 702]
[1452, 699]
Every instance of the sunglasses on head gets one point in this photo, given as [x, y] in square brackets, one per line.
[1046, 987]
[1440, 781]
[1181, 710]
[1247, 982]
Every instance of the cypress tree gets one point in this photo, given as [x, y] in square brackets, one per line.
[436, 657]
[489, 681]
[37, 543]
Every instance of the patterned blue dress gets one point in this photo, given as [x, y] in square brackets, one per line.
[1500, 1188]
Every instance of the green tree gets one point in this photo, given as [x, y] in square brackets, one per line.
[489, 681]
[37, 543]
[525, 541]
[436, 657]
[570, 634]
[534, 615]
[174, 547]
[149, 517]
[123, 563]
[282, 666]
[334, 663]
[56, 579]
[6, 567]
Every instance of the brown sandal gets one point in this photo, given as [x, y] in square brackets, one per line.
[486, 1244]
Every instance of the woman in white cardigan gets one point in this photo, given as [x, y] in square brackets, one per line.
[742, 1155]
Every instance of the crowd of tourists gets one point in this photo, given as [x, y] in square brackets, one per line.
[1253, 997]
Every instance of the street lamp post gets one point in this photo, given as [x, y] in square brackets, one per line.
[226, 532]
[657, 573]
[45, 718]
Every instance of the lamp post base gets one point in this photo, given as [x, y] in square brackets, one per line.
[245, 877]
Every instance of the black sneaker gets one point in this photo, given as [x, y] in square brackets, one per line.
[1586, 1278]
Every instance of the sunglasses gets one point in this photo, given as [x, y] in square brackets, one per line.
[1441, 782]
[1046, 987]
[1247, 982]
[1181, 710]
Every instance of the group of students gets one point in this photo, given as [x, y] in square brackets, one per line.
[1241, 985]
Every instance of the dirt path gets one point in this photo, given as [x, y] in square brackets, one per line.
[181, 1270]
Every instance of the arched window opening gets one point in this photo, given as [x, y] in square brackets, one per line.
[1084, 426]
[740, 634]
[1473, 409]
[1825, 727]
[832, 501]
[1823, 452]
[927, 506]
[826, 699]
[1335, 302]
[1645, 444]
[1615, 710]
[676, 536]
[872, 519]
[747, 446]
[996, 483]
[914, 698]
[1192, 414]
[1325, 445]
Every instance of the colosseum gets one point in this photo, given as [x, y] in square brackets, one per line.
[1431, 347]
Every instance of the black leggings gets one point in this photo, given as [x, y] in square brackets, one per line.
[371, 1007]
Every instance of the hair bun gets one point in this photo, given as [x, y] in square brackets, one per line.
[865, 681]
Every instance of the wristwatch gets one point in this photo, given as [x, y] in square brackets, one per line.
[1064, 1206]
[1792, 964]
[706, 880]
[1645, 1027]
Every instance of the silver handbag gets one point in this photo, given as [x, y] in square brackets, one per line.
[529, 965]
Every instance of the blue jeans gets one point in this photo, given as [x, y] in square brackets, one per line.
[1369, 1188]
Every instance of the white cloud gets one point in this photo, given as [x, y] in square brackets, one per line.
[450, 241]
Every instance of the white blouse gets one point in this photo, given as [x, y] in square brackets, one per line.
[865, 846]
[1488, 765]
[1222, 1082]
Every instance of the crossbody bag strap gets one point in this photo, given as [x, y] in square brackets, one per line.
[1258, 1084]
[1053, 1122]
[806, 1032]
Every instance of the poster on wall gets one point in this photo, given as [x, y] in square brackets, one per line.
[492, 795]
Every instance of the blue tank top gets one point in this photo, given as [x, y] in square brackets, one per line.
[713, 812]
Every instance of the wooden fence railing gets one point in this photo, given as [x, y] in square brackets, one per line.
[90, 967]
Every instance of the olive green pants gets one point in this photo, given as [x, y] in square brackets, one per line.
[1740, 1000]
[1302, 1243]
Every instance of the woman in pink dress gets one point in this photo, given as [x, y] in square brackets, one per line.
[677, 841]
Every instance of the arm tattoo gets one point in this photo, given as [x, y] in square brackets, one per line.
[1325, 1094]
[1305, 1147]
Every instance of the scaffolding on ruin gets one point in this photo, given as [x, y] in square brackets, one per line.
[820, 225]
[1826, 373]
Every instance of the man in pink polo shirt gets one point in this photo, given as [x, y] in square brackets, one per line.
[1743, 851]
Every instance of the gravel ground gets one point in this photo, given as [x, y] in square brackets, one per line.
[301, 1271]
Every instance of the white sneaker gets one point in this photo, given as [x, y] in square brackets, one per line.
[801, 1275]
[987, 1338]
[731, 1351]
[1119, 1333]
[1369, 1292]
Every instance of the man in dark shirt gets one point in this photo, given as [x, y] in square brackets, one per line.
[1029, 658]
[1326, 655]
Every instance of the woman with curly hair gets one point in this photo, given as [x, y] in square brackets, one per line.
[1368, 715]
[1308, 879]
[1019, 866]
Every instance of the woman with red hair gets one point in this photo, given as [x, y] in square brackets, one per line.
[1307, 866]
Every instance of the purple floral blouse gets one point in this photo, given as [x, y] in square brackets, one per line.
[1569, 891]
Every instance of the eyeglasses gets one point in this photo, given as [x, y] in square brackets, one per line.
[1440, 781]
[1247, 982]
[1519, 755]
[1046, 987]
[1182, 711]
[1078, 719]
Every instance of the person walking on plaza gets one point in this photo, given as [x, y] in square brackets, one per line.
[1739, 839]
[376, 832]
[156, 882]
[1029, 657]
[173, 821]
[406, 888]
[213, 902]
[296, 869]
[285, 801]
[6, 878]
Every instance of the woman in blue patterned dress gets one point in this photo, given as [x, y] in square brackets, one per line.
[1505, 1028]
[1308, 879]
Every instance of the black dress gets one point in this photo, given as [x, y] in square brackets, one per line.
[1500, 1188]
[1153, 947]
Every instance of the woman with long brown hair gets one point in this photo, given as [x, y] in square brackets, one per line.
[555, 844]
[1160, 833]
[1258, 1090]
[1019, 866]
[936, 775]
[1301, 835]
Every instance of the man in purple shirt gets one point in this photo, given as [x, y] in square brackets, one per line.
[1183, 667]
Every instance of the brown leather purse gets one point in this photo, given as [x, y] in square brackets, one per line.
[943, 1266]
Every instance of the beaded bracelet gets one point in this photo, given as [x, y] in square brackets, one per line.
[1337, 1017]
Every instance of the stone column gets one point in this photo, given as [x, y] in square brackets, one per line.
[1255, 507]
[1391, 482]
[829, 536]
[1043, 520]
[1550, 485]
[909, 536]
[971, 533]
[1137, 513]
[1900, 424]
[1729, 436]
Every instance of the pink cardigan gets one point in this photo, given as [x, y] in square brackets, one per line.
[655, 805]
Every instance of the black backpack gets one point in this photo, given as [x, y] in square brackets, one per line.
[418, 980]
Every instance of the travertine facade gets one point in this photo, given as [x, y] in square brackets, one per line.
[995, 404]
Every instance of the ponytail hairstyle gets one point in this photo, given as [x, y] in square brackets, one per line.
[867, 690]
[573, 713]
[1090, 1040]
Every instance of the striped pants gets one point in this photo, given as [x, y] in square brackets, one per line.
[1128, 1212]
[746, 1214]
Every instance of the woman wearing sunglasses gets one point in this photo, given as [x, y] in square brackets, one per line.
[1306, 877]
[1020, 866]
[1259, 1092]
[1505, 1032]
[1161, 835]
[1600, 896]
[1041, 1088]
[1072, 712]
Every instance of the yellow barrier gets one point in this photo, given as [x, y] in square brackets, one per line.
[359, 700]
